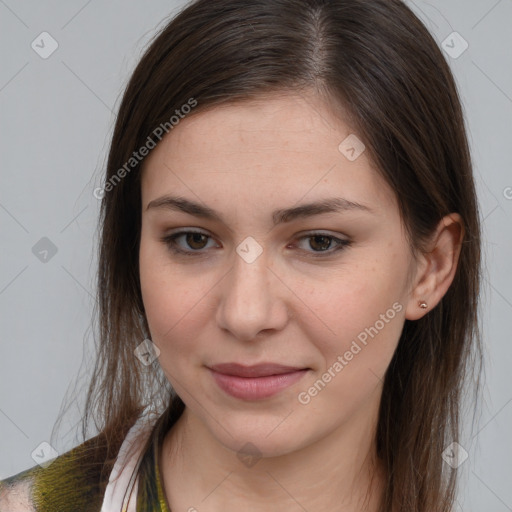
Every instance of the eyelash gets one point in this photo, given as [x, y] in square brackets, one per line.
[170, 242]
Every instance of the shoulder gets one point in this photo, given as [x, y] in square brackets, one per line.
[15, 493]
[75, 477]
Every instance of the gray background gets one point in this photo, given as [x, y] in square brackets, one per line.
[57, 116]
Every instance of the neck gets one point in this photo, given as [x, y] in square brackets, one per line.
[339, 472]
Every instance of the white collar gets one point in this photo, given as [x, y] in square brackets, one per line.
[117, 497]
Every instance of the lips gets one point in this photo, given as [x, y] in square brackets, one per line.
[259, 370]
[255, 382]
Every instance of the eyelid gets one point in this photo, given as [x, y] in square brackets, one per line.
[341, 241]
[169, 240]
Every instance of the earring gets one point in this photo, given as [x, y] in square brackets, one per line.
[422, 304]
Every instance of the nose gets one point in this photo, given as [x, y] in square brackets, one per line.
[253, 299]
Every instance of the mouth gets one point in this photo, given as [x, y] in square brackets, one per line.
[255, 382]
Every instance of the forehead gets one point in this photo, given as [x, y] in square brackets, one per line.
[281, 146]
[287, 122]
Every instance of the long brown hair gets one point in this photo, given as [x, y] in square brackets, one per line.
[378, 62]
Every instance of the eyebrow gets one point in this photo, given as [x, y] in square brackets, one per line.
[329, 205]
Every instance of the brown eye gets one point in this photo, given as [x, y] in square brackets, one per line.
[320, 242]
[196, 240]
[194, 243]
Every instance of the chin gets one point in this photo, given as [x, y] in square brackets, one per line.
[266, 437]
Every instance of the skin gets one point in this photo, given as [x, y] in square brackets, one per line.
[244, 161]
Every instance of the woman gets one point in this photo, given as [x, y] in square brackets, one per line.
[288, 271]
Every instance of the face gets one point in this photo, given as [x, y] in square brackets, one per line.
[323, 292]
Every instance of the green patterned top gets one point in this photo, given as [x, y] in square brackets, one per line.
[72, 481]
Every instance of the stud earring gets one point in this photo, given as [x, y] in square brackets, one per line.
[423, 305]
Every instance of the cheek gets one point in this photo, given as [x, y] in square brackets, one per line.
[166, 297]
[352, 362]
[175, 302]
[360, 312]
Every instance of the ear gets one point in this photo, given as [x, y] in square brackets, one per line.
[436, 267]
